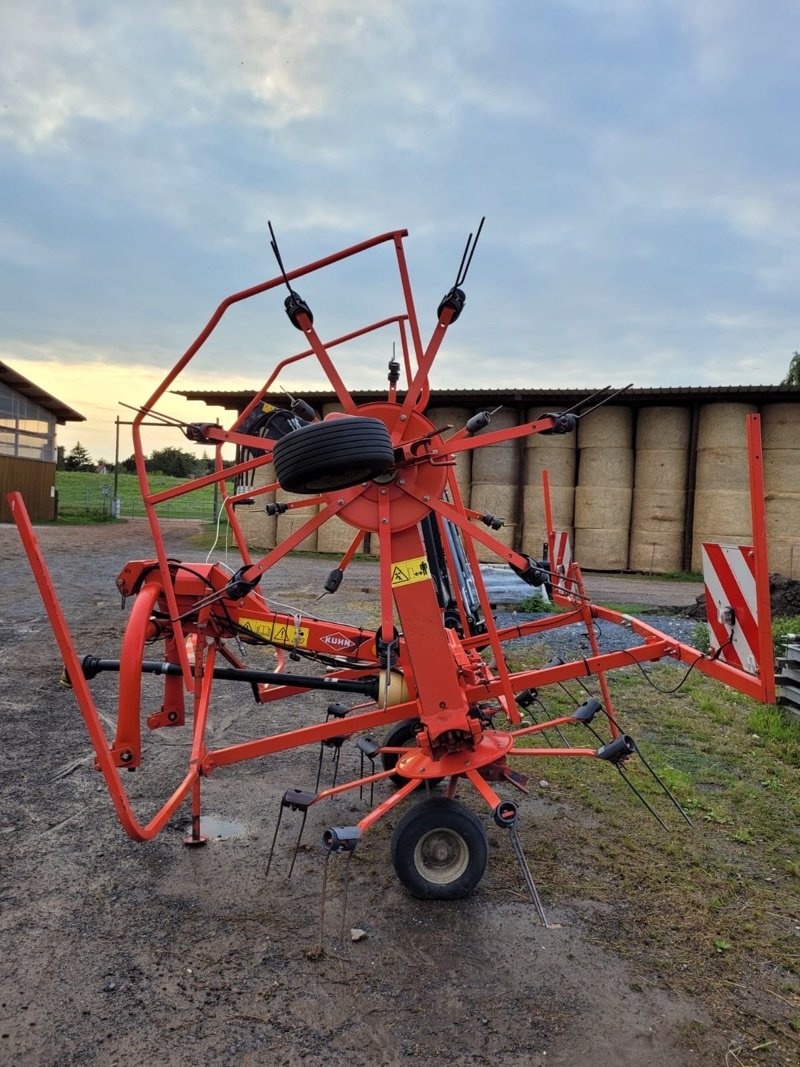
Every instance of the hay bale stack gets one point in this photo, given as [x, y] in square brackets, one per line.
[336, 536]
[498, 464]
[722, 487]
[604, 494]
[658, 515]
[780, 435]
[495, 480]
[455, 417]
[290, 521]
[556, 454]
[259, 529]
[499, 500]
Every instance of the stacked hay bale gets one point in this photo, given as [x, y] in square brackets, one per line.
[658, 518]
[259, 529]
[780, 435]
[456, 417]
[557, 454]
[495, 482]
[604, 493]
[722, 486]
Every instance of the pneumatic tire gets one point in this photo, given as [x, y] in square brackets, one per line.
[334, 454]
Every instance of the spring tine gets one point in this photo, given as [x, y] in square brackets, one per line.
[323, 895]
[344, 897]
[663, 785]
[274, 839]
[525, 870]
[297, 844]
[319, 765]
[631, 786]
[337, 753]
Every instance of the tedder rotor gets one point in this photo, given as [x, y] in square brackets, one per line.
[433, 702]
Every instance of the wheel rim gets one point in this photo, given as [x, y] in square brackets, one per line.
[441, 856]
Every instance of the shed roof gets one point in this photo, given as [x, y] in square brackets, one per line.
[20, 384]
[237, 400]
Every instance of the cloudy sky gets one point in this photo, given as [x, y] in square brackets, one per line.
[637, 161]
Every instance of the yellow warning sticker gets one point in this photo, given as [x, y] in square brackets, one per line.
[279, 632]
[407, 571]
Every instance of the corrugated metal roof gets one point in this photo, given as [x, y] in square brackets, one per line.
[638, 397]
[62, 412]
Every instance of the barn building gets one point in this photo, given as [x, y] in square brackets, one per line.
[641, 484]
[28, 420]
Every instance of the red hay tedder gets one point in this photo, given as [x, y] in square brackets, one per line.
[433, 676]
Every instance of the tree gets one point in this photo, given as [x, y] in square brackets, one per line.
[174, 461]
[78, 459]
[793, 373]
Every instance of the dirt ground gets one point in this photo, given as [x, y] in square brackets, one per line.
[117, 952]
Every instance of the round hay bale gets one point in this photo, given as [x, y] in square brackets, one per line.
[720, 516]
[602, 549]
[606, 467]
[561, 465]
[258, 528]
[783, 514]
[782, 470]
[780, 426]
[658, 509]
[602, 519]
[661, 468]
[658, 518]
[720, 469]
[290, 521]
[329, 407]
[455, 417]
[534, 527]
[784, 557]
[336, 536]
[723, 425]
[562, 502]
[498, 500]
[602, 507]
[565, 441]
[607, 427]
[498, 463]
[656, 551]
[663, 428]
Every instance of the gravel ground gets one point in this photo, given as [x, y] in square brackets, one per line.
[115, 952]
[571, 641]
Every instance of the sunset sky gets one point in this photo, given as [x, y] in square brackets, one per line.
[637, 161]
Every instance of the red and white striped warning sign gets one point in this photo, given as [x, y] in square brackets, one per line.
[562, 563]
[730, 581]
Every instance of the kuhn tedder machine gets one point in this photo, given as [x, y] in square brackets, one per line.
[433, 702]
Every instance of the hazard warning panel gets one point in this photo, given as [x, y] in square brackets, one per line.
[280, 633]
[408, 571]
[562, 561]
[731, 606]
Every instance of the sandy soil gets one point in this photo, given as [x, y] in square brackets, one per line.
[116, 952]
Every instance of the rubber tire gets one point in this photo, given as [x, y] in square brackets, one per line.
[401, 735]
[330, 455]
[460, 835]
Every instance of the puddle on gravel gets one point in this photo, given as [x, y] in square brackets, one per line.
[215, 828]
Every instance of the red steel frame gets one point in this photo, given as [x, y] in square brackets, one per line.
[446, 679]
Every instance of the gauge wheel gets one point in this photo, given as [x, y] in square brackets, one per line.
[440, 850]
[334, 454]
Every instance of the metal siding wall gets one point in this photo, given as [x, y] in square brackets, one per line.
[33, 478]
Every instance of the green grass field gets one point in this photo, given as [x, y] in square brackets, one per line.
[85, 496]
